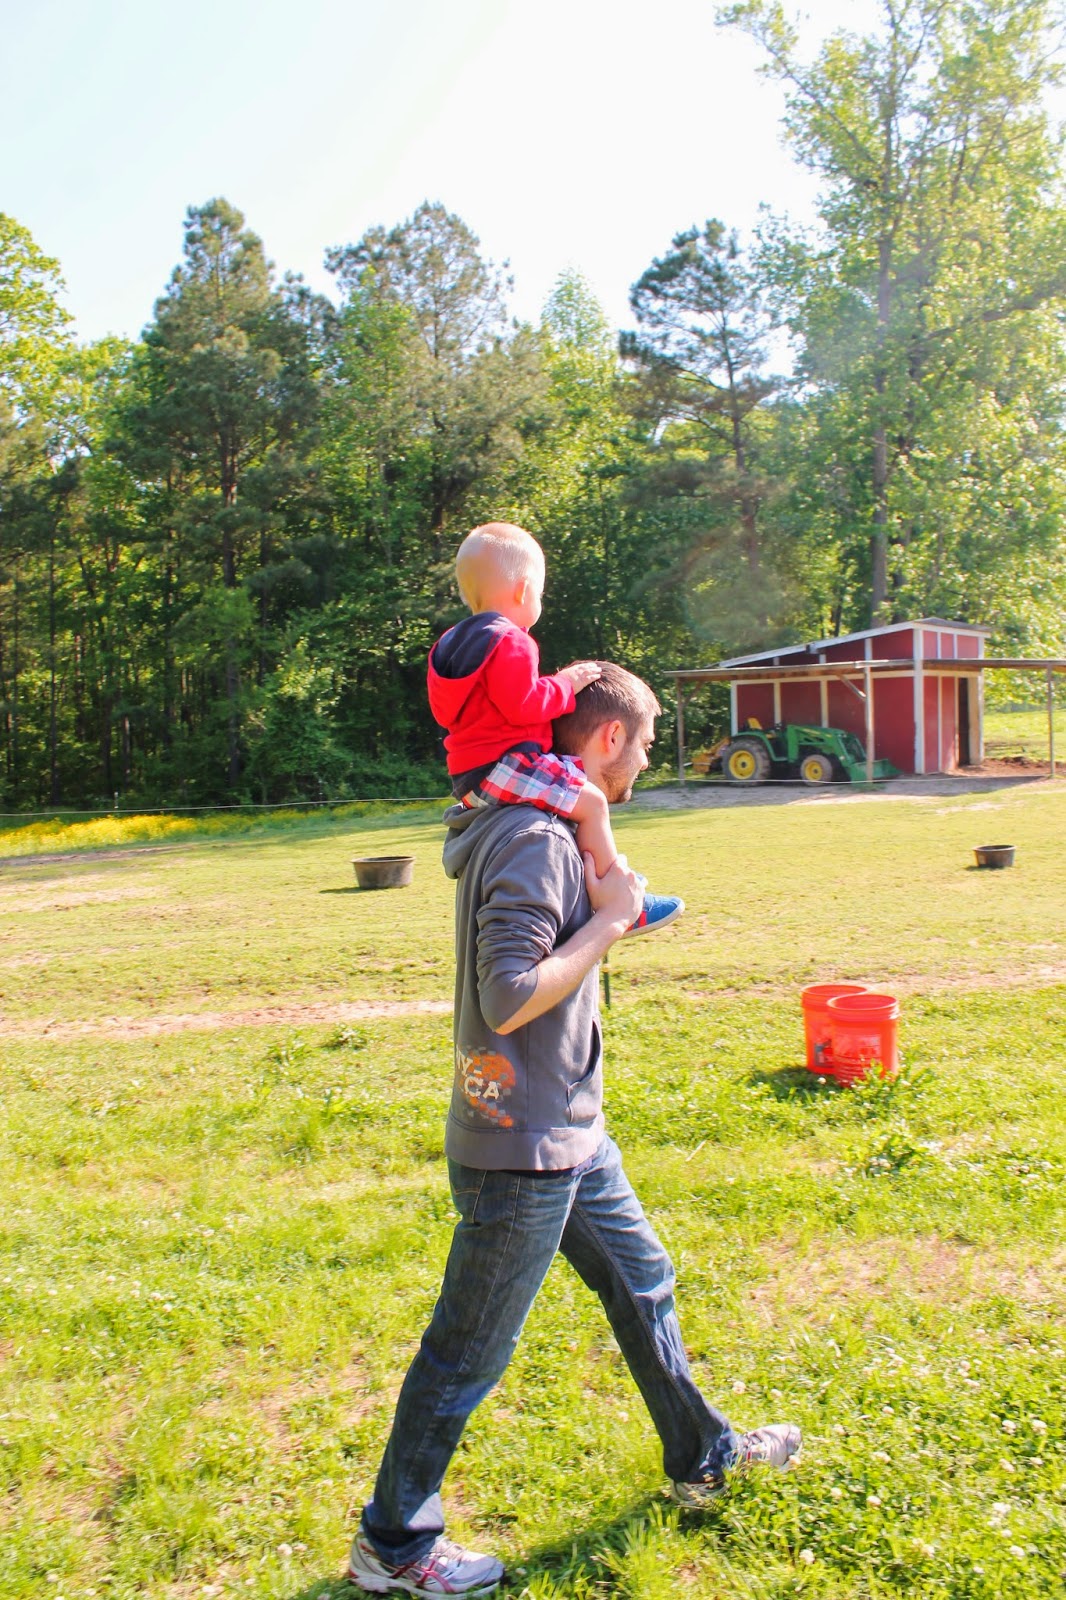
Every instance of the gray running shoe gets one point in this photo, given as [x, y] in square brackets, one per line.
[446, 1569]
[775, 1445]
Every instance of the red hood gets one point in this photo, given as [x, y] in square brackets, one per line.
[456, 662]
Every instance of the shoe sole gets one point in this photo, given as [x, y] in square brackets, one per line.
[707, 1494]
[372, 1585]
[653, 927]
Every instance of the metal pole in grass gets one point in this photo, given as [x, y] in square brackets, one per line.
[680, 736]
[606, 964]
[1051, 722]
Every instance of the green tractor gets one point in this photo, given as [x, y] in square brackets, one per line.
[792, 750]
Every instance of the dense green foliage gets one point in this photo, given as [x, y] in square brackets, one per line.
[226, 548]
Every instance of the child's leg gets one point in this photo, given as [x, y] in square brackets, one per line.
[593, 818]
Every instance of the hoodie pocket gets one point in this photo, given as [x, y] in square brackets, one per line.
[584, 1097]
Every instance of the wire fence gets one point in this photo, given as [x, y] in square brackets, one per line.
[87, 813]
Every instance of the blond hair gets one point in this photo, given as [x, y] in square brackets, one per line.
[496, 553]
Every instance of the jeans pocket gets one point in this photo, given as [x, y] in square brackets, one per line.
[466, 1185]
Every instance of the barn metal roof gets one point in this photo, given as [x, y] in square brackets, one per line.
[846, 638]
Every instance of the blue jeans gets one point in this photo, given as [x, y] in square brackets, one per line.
[510, 1227]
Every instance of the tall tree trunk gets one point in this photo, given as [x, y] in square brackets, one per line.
[53, 749]
[15, 664]
[229, 579]
[879, 483]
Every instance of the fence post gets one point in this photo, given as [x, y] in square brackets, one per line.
[680, 733]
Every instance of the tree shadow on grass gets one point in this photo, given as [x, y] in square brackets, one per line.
[572, 1560]
[796, 1084]
[330, 1587]
[579, 1557]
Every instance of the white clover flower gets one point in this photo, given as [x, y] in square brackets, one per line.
[835, 1493]
[873, 1499]
[1017, 1552]
[1009, 1426]
[881, 1455]
[807, 1556]
[739, 1386]
[1037, 1425]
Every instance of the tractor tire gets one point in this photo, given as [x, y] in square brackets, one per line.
[746, 761]
[817, 768]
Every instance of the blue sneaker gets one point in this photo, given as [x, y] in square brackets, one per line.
[659, 909]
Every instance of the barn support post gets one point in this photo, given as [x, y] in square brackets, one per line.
[680, 732]
[1051, 722]
[868, 683]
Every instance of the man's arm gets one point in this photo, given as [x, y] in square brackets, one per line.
[616, 899]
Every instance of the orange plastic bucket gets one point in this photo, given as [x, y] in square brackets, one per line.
[816, 1000]
[864, 1031]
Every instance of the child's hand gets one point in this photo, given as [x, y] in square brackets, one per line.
[580, 674]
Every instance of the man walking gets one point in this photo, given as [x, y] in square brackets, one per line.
[532, 1170]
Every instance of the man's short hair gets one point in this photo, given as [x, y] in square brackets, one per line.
[617, 694]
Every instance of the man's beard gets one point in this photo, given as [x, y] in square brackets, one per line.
[618, 779]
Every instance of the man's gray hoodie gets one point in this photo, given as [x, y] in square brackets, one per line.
[530, 1100]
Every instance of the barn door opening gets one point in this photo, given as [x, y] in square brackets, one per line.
[962, 722]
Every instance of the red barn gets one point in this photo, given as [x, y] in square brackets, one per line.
[926, 712]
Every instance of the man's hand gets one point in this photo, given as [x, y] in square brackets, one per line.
[616, 901]
[618, 895]
[580, 674]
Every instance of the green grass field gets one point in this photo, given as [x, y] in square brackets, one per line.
[220, 1240]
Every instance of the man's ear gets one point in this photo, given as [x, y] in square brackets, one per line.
[614, 736]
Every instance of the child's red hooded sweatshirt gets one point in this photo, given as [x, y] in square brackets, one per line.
[485, 687]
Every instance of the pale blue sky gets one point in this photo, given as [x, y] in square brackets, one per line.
[567, 133]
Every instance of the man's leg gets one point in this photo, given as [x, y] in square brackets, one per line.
[509, 1231]
[610, 1243]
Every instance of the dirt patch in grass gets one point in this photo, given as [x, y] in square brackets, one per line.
[1007, 774]
[295, 1014]
[67, 899]
[274, 1408]
[1042, 975]
[932, 1268]
[292, 1015]
[33, 858]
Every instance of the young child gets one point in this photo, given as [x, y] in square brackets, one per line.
[486, 689]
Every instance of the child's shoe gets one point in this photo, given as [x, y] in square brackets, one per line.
[658, 910]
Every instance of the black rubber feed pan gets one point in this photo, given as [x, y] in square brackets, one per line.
[384, 872]
[994, 855]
